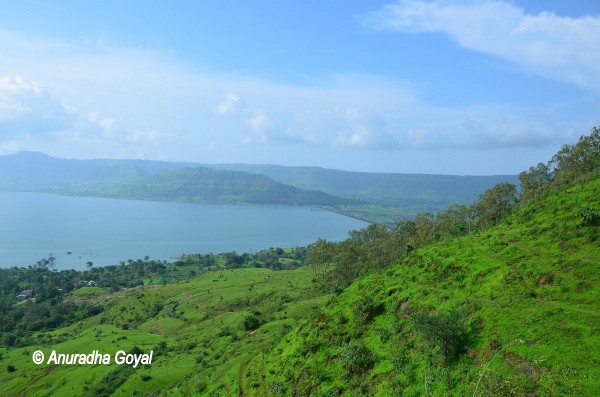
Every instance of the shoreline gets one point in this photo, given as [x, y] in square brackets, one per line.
[352, 216]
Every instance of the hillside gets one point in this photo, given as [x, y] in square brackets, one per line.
[511, 310]
[150, 180]
[203, 332]
[398, 196]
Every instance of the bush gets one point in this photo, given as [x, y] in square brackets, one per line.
[589, 216]
[357, 359]
[225, 331]
[365, 309]
[251, 323]
[446, 330]
[10, 368]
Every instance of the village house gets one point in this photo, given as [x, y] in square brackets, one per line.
[25, 294]
[86, 283]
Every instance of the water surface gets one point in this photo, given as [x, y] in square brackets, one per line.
[107, 231]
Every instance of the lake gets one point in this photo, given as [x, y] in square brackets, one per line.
[107, 231]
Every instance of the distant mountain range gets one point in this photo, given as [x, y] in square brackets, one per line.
[383, 197]
[432, 192]
[150, 180]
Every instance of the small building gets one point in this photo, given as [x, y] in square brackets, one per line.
[86, 283]
[25, 294]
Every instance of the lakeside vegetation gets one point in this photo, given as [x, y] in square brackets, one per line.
[496, 298]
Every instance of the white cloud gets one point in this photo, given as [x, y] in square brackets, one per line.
[260, 121]
[230, 105]
[140, 136]
[123, 103]
[334, 121]
[107, 125]
[553, 46]
[27, 108]
[9, 147]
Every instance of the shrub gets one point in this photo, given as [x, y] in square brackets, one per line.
[251, 322]
[589, 216]
[446, 330]
[365, 309]
[225, 331]
[357, 358]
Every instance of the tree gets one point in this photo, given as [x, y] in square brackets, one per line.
[496, 203]
[320, 256]
[575, 161]
[535, 180]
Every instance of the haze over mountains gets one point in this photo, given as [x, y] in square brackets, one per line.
[384, 197]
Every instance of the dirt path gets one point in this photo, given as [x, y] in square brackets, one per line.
[242, 371]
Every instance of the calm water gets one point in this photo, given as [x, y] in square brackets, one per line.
[107, 231]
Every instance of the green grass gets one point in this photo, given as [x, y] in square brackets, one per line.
[529, 292]
[199, 322]
[88, 292]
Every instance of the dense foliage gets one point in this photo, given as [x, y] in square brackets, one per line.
[570, 165]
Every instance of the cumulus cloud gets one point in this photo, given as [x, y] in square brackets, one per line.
[553, 46]
[337, 126]
[230, 105]
[25, 107]
[133, 102]
[33, 119]
[107, 128]
[257, 119]
[342, 126]
[260, 121]
[413, 126]
[106, 125]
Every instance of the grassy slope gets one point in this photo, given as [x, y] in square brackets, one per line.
[529, 288]
[199, 320]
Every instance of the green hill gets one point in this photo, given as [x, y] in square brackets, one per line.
[151, 180]
[512, 310]
[420, 192]
[496, 299]
[387, 197]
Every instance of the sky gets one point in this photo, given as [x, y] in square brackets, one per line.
[448, 87]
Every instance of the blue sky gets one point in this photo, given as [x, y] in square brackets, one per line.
[454, 87]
